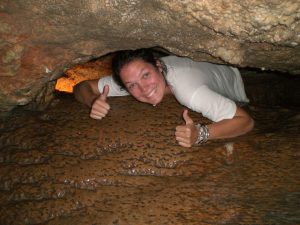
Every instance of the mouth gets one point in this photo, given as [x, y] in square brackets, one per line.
[151, 93]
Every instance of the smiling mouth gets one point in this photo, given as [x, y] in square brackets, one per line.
[150, 94]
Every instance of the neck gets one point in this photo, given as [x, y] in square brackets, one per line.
[168, 90]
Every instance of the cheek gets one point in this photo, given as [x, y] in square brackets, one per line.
[135, 92]
[158, 79]
[161, 82]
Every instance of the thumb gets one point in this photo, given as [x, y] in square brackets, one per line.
[104, 93]
[187, 118]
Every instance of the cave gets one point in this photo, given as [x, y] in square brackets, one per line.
[59, 166]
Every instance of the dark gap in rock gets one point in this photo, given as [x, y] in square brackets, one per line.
[269, 88]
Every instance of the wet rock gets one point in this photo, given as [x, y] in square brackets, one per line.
[128, 170]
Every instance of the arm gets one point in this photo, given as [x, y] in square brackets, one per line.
[240, 124]
[87, 92]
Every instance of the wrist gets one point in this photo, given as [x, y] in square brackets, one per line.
[203, 134]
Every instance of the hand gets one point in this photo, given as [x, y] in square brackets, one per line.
[100, 107]
[186, 135]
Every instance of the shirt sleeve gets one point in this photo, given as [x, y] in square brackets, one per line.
[212, 105]
[114, 88]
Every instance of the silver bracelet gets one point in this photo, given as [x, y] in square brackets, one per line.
[203, 134]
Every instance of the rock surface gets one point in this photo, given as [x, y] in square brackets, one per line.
[42, 38]
[61, 167]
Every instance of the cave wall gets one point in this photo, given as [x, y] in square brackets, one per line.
[39, 39]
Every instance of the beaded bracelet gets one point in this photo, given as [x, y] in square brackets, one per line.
[203, 134]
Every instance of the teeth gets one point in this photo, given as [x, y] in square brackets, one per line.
[151, 93]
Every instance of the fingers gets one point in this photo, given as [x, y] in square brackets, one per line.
[98, 113]
[184, 144]
[186, 135]
[100, 107]
[183, 136]
[183, 139]
[105, 92]
[187, 118]
[183, 131]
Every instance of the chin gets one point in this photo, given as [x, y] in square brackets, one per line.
[156, 101]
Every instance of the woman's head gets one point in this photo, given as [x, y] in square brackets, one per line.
[122, 58]
[141, 74]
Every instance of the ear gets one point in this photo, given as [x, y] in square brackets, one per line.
[159, 66]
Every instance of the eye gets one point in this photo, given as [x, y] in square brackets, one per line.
[146, 75]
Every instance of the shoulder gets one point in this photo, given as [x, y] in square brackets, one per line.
[177, 69]
[182, 75]
[176, 61]
[114, 88]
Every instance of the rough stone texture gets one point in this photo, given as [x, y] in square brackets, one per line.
[41, 38]
[61, 167]
[91, 70]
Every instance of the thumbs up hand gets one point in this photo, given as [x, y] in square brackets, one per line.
[187, 134]
[100, 107]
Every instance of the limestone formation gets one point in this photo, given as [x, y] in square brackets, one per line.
[41, 38]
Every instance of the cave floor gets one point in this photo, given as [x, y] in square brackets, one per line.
[61, 167]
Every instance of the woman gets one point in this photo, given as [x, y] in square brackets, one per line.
[203, 87]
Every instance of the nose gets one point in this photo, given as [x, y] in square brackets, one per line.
[143, 87]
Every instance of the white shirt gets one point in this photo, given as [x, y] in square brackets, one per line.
[206, 88]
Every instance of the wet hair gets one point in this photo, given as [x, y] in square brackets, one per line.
[122, 58]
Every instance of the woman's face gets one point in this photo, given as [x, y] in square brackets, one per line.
[144, 81]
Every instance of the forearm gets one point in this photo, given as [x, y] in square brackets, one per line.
[189, 134]
[229, 128]
[84, 94]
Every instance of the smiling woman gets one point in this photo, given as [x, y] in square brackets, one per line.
[206, 88]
